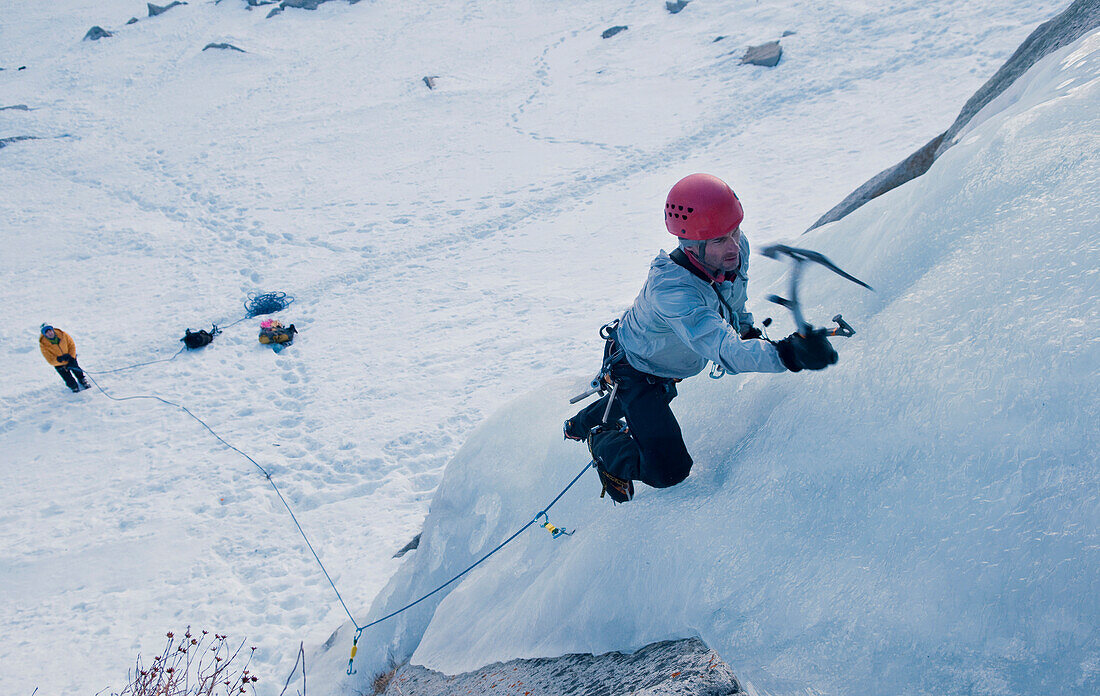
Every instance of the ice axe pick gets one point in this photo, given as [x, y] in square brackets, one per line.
[800, 257]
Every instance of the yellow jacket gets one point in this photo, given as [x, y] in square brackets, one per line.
[51, 351]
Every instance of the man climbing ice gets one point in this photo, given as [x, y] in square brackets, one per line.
[691, 310]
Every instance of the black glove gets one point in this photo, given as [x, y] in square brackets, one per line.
[64, 357]
[811, 353]
[751, 332]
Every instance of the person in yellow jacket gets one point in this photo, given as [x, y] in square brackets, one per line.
[59, 349]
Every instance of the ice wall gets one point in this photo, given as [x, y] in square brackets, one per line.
[920, 518]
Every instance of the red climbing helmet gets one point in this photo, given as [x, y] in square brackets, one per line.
[701, 207]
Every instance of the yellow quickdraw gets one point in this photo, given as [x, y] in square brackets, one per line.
[555, 532]
[354, 650]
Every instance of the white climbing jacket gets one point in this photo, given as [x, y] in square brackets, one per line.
[678, 322]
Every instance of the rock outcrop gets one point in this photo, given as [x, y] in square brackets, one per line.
[678, 667]
[1077, 20]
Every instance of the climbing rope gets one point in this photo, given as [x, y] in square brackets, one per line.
[273, 302]
[264, 471]
[130, 367]
[534, 520]
[267, 303]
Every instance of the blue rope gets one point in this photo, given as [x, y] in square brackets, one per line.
[265, 472]
[359, 629]
[524, 528]
[267, 303]
[130, 367]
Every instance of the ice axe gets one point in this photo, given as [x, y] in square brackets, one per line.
[801, 257]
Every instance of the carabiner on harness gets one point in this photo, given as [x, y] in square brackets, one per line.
[603, 382]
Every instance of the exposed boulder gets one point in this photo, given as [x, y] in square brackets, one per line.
[274, 11]
[224, 47]
[430, 80]
[96, 33]
[15, 107]
[155, 10]
[766, 55]
[675, 7]
[788, 33]
[133, 20]
[1077, 20]
[608, 33]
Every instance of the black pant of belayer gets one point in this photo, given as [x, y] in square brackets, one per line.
[68, 370]
[652, 450]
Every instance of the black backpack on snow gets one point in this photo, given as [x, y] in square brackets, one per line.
[198, 339]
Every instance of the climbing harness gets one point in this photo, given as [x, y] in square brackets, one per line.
[603, 381]
[543, 514]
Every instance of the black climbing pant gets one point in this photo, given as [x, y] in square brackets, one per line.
[66, 371]
[653, 450]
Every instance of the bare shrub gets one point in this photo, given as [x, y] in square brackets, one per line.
[382, 679]
[194, 665]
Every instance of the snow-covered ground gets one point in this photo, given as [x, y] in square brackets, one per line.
[449, 250]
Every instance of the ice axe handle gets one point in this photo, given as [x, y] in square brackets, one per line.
[843, 328]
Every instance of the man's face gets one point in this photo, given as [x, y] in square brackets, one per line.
[50, 334]
[725, 252]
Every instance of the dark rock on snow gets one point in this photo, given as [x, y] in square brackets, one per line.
[430, 80]
[717, 39]
[224, 46]
[155, 10]
[788, 33]
[1077, 20]
[15, 107]
[133, 20]
[275, 11]
[4, 142]
[675, 7]
[766, 55]
[411, 546]
[608, 33]
[302, 4]
[96, 33]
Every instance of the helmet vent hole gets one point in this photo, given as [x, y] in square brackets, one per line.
[681, 207]
[691, 210]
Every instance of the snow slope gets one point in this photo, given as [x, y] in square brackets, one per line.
[448, 249]
[919, 519]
